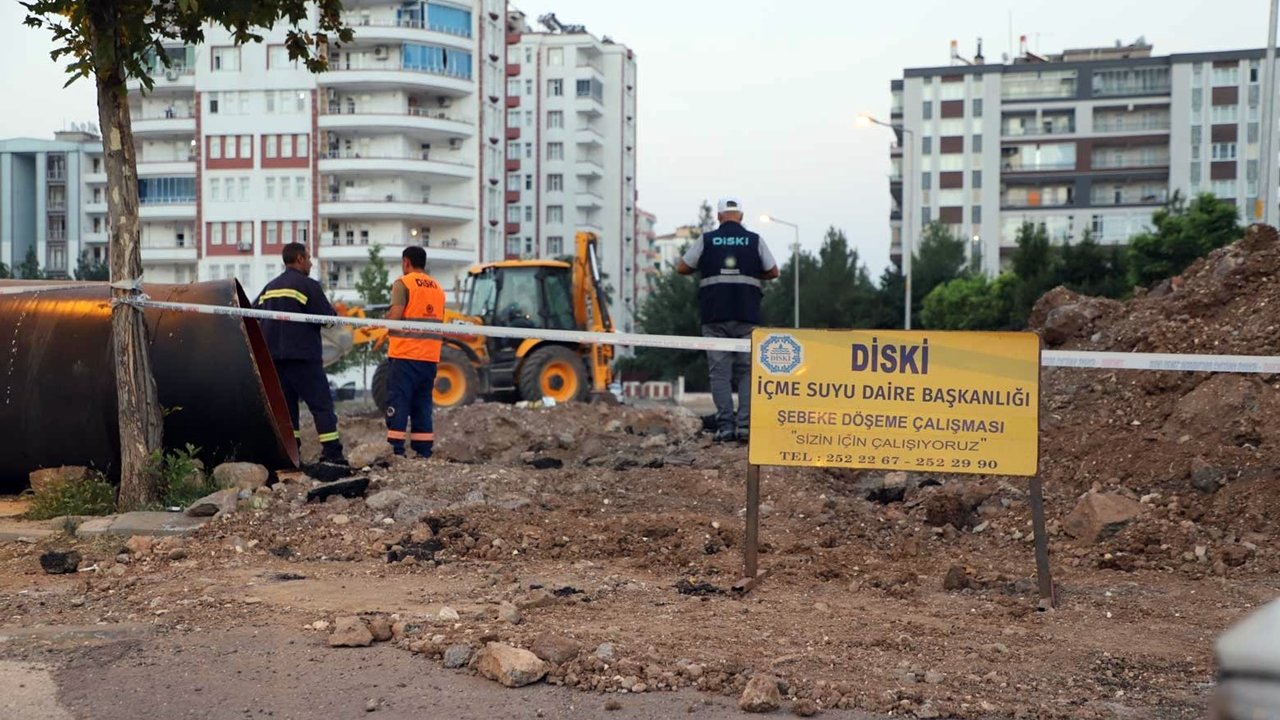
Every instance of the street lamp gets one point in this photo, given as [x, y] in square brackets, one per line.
[795, 258]
[908, 244]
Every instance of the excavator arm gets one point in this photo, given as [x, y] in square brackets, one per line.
[591, 309]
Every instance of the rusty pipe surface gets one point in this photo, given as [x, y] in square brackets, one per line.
[214, 377]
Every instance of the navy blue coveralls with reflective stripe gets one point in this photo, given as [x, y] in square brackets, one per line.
[296, 350]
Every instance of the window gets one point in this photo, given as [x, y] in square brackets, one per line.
[513, 182]
[284, 187]
[246, 146]
[528, 246]
[286, 146]
[1226, 76]
[555, 56]
[975, 214]
[300, 187]
[528, 182]
[215, 148]
[1197, 75]
[272, 150]
[513, 151]
[926, 181]
[926, 110]
[953, 90]
[528, 151]
[555, 214]
[278, 58]
[528, 213]
[513, 86]
[977, 178]
[272, 234]
[1130, 81]
[1224, 188]
[1252, 133]
[215, 189]
[1196, 179]
[213, 105]
[215, 234]
[226, 59]
[513, 118]
[1195, 151]
[1254, 76]
[300, 231]
[555, 88]
[244, 189]
[528, 87]
[528, 56]
[528, 118]
[555, 245]
[555, 119]
[926, 145]
[513, 213]
[926, 215]
[271, 102]
[1224, 151]
[977, 107]
[271, 188]
[555, 183]
[977, 143]
[1225, 114]
[555, 151]
[513, 246]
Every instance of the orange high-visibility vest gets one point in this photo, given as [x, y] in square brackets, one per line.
[426, 302]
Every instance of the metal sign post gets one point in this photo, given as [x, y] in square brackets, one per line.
[1048, 593]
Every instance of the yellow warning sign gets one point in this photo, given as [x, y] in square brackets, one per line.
[947, 402]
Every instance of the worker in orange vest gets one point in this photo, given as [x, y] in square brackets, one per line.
[413, 355]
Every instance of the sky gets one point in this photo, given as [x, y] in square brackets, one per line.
[757, 98]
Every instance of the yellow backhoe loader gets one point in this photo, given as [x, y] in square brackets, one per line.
[542, 294]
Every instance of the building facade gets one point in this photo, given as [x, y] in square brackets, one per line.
[644, 256]
[571, 150]
[53, 202]
[242, 150]
[1090, 140]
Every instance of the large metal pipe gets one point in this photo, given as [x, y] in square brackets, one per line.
[214, 376]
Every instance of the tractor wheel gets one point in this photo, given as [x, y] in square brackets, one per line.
[556, 372]
[378, 386]
[457, 381]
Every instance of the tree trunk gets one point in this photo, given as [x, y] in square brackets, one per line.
[138, 407]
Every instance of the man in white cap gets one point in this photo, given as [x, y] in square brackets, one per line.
[733, 264]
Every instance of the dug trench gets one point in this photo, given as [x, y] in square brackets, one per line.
[606, 539]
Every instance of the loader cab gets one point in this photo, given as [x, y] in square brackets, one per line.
[523, 294]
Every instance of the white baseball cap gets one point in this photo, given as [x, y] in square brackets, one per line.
[728, 204]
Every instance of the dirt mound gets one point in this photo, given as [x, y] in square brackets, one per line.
[1196, 440]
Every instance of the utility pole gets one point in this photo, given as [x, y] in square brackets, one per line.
[1267, 163]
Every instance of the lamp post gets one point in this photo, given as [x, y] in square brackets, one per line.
[908, 244]
[795, 259]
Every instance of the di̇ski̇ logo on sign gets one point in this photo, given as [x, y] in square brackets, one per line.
[781, 354]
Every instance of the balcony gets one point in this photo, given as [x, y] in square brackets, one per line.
[1044, 167]
[1130, 196]
[418, 121]
[513, 196]
[170, 253]
[174, 122]
[513, 69]
[166, 168]
[513, 101]
[176, 79]
[589, 136]
[1121, 124]
[182, 208]
[513, 164]
[368, 75]
[393, 207]
[1131, 162]
[588, 199]
[588, 166]
[347, 163]
[513, 228]
[513, 133]
[98, 207]
[391, 30]
[1016, 131]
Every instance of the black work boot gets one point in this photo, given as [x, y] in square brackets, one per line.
[723, 435]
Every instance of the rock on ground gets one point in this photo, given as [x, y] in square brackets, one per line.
[350, 632]
[805, 708]
[242, 476]
[513, 667]
[42, 480]
[1098, 516]
[386, 501]
[368, 454]
[380, 628]
[761, 695]
[555, 649]
[509, 613]
[222, 501]
[456, 656]
[58, 562]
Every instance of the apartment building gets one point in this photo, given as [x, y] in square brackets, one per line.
[644, 255]
[242, 150]
[571, 149]
[1093, 139]
[52, 200]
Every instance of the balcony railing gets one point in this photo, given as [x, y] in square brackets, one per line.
[334, 240]
[1125, 162]
[1131, 197]
[335, 109]
[360, 63]
[355, 155]
[174, 113]
[1041, 167]
[56, 175]
[170, 200]
[57, 206]
[1037, 130]
[357, 22]
[390, 198]
[1130, 124]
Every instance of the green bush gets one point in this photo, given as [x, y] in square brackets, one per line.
[92, 495]
[179, 477]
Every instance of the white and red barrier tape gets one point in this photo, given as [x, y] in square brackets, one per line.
[1256, 364]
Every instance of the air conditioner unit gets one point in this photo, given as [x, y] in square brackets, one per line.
[245, 246]
[380, 52]
[171, 74]
[455, 143]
